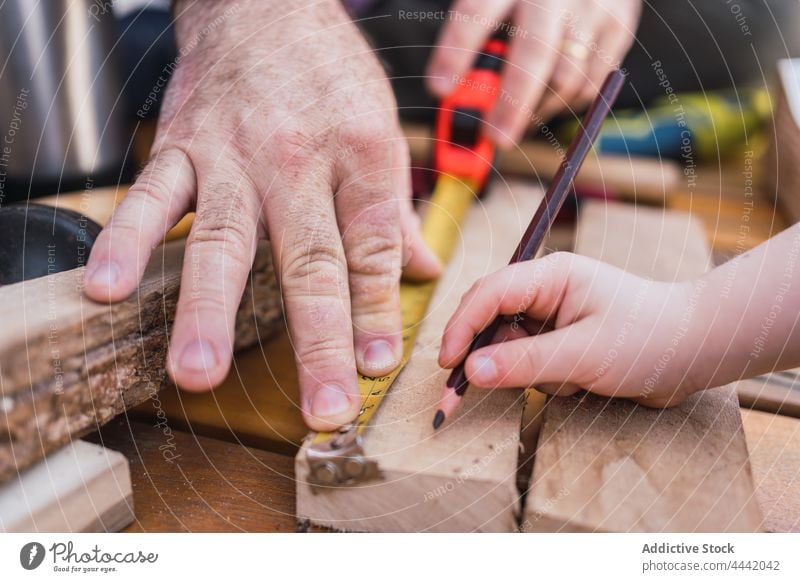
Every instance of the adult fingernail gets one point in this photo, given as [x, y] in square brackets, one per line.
[330, 400]
[485, 370]
[198, 356]
[440, 82]
[380, 356]
[104, 273]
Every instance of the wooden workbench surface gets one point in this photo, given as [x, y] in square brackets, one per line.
[220, 484]
[186, 482]
[236, 444]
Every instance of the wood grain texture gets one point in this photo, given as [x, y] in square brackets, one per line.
[611, 465]
[735, 219]
[183, 482]
[68, 364]
[462, 477]
[257, 404]
[778, 392]
[81, 487]
[774, 443]
[780, 175]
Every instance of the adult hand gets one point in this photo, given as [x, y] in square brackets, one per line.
[559, 54]
[614, 334]
[278, 121]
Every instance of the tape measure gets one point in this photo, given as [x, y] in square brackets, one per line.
[337, 458]
[463, 156]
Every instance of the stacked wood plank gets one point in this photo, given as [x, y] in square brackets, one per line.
[781, 177]
[67, 364]
[611, 465]
[778, 392]
[82, 487]
[774, 443]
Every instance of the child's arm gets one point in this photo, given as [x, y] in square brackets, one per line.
[617, 334]
[751, 308]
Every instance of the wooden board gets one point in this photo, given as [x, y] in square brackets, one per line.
[68, 364]
[780, 176]
[778, 392]
[611, 465]
[733, 223]
[81, 487]
[257, 404]
[461, 478]
[202, 484]
[774, 444]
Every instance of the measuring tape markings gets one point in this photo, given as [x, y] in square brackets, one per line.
[337, 458]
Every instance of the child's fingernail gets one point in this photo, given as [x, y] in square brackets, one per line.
[433, 264]
[485, 370]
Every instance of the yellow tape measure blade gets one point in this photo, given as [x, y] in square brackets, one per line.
[441, 229]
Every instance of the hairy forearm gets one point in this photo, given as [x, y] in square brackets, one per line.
[748, 319]
[192, 17]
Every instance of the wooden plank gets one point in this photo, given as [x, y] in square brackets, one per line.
[257, 404]
[81, 487]
[774, 444]
[735, 221]
[778, 392]
[182, 482]
[462, 477]
[780, 174]
[611, 465]
[68, 364]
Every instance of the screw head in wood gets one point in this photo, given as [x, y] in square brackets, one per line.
[354, 467]
[326, 473]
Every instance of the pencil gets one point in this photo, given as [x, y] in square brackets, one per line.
[540, 224]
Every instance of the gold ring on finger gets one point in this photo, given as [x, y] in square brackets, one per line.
[574, 49]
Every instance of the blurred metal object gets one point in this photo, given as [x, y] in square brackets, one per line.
[61, 115]
[38, 240]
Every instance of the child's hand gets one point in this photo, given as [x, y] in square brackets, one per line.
[615, 334]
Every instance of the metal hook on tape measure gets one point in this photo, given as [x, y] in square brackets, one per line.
[340, 460]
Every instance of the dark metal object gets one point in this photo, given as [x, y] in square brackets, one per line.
[62, 121]
[38, 240]
[340, 461]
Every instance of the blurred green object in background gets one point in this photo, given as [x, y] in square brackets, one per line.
[687, 126]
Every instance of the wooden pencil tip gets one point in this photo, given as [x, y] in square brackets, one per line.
[438, 419]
